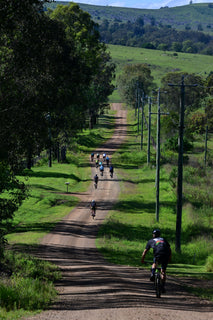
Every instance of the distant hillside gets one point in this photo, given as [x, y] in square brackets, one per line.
[192, 16]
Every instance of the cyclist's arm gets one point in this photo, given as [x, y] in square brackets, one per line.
[143, 255]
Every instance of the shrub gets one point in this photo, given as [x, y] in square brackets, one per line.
[172, 144]
[29, 294]
[209, 264]
[196, 123]
[31, 285]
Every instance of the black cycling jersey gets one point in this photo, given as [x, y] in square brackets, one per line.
[160, 247]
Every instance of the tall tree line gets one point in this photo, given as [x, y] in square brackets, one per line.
[54, 71]
[54, 74]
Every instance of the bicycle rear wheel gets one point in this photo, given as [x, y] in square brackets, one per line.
[158, 285]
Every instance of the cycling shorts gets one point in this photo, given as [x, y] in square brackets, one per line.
[163, 260]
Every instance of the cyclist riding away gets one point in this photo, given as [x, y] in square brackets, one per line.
[111, 170]
[92, 156]
[102, 169]
[107, 161]
[93, 207]
[162, 255]
[96, 180]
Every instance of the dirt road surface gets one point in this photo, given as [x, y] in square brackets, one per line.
[94, 289]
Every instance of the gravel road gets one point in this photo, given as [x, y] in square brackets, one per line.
[91, 288]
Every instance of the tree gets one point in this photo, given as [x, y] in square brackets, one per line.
[30, 45]
[193, 95]
[133, 75]
[13, 192]
[96, 69]
[209, 114]
[171, 101]
[176, 46]
[209, 83]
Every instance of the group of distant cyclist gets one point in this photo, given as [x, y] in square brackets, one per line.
[99, 163]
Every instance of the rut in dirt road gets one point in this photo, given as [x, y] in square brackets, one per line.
[92, 288]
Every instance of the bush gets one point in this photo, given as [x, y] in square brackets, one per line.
[197, 123]
[28, 294]
[172, 144]
[209, 264]
[30, 287]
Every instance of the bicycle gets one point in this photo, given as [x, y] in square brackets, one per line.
[158, 282]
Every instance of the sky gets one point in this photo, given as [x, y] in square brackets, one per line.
[140, 4]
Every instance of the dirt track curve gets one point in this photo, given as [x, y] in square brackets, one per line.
[94, 289]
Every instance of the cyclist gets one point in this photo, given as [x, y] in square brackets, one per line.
[96, 163]
[111, 170]
[93, 207]
[97, 156]
[162, 255]
[96, 180]
[92, 156]
[102, 169]
[107, 161]
[104, 156]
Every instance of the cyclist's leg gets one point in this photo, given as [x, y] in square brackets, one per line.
[154, 266]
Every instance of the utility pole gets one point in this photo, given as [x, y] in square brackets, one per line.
[157, 181]
[158, 160]
[136, 98]
[138, 106]
[149, 130]
[142, 118]
[206, 139]
[180, 164]
[48, 117]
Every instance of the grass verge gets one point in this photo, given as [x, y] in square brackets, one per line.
[26, 285]
[127, 229]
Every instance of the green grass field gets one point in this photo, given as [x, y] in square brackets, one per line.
[160, 62]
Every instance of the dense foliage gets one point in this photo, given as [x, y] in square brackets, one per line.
[96, 66]
[134, 77]
[152, 36]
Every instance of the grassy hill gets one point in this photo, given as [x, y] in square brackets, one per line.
[192, 16]
[160, 62]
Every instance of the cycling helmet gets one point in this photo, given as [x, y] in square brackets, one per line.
[93, 200]
[156, 232]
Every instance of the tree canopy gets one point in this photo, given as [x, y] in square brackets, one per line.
[134, 76]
